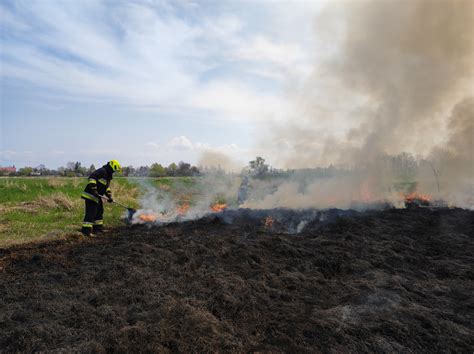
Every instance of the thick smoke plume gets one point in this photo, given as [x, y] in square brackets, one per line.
[402, 81]
[452, 164]
[389, 114]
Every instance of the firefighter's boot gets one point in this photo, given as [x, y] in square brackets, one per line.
[98, 226]
[87, 231]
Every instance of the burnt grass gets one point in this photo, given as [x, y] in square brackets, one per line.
[393, 280]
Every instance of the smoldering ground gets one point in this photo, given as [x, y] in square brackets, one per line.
[395, 280]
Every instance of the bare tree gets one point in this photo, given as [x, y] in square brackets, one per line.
[436, 160]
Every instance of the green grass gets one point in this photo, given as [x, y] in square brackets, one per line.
[189, 189]
[182, 189]
[38, 208]
[33, 208]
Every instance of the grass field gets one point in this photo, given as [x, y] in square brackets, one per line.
[38, 208]
[33, 208]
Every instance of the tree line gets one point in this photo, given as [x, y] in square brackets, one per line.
[75, 169]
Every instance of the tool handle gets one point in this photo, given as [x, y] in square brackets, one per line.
[122, 205]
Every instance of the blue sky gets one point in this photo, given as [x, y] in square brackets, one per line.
[146, 81]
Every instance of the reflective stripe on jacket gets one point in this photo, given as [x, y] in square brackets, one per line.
[98, 183]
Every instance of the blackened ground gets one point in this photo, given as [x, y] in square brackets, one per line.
[393, 280]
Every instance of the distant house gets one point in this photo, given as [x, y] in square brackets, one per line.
[8, 169]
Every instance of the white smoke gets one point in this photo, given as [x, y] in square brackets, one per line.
[401, 81]
[184, 199]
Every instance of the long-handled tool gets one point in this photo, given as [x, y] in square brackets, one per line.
[131, 211]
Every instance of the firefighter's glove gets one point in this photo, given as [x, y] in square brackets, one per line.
[109, 196]
[110, 199]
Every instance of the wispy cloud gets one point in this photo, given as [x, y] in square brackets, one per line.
[181, 143]
[167, 70]
[148, 54]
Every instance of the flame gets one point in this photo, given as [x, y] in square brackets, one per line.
[218, 207]
[147, 217]
[417, 196]
[183, 208]
[268, 221]
[365, 193]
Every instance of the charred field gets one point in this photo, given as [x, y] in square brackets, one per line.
[389, 280]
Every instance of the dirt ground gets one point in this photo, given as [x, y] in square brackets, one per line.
[393, 280]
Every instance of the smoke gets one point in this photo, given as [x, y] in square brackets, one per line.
[217, 160]
[156, 202]
[400, 69]
[390, 111]
[180, 199]
[413, 60]
[400, 81]
[452, 164]
[461, 128]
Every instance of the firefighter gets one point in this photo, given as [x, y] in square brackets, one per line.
[98, 185]
[243, 190]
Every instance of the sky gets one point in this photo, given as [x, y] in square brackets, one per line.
[148, 81]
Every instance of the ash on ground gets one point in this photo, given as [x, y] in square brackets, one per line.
[380, 281]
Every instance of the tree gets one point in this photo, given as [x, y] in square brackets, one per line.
[70, 166]
[172, 169]
[436, 161]
[77, 167]
[25, 171]
[91, 169]
[404, 167]
[184, 169]
[157, 170]
[128, 171]
[143, 171]
[258, 166]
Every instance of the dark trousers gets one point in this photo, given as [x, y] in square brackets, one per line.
[94, 216]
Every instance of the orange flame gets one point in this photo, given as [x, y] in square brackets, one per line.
[417, 196]
[218, 207]
[183, 209]
[365, 193]
[268, 221]
[147, 217]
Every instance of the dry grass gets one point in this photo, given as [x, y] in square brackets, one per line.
[77, 181]
[56, 182]
[39, 208]
[125, 194]
[54, 201]
[57, 200]
[10, 184]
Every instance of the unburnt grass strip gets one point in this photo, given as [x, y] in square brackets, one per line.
[43, 208]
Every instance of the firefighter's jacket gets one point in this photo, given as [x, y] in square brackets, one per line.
[98, 183]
